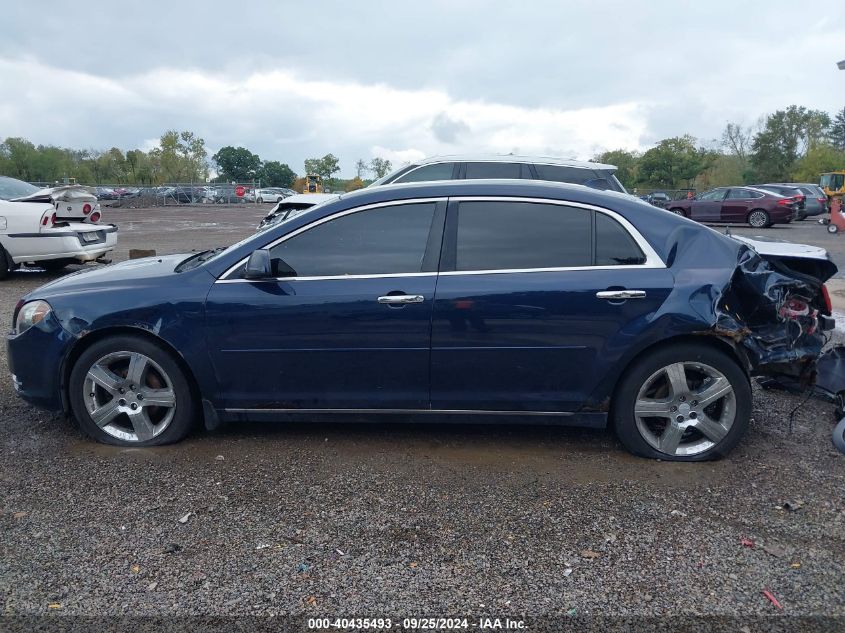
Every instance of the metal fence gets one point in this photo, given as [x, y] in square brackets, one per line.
[171, 194]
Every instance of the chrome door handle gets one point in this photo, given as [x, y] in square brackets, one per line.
[393, 300]
[621, 294]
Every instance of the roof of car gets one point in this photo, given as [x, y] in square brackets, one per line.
[510, 158]
[654, 224]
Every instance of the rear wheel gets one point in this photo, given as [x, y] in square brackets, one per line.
[128, 391]
[759, 219]
[832, 228]
[686, 402]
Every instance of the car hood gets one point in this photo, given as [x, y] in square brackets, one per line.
[113, 276]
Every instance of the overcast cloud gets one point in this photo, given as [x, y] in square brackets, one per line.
[400, 80]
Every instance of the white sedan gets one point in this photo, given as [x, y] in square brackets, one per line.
[49, 228]
[271, 194]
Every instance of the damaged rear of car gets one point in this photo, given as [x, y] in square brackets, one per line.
[763, 300]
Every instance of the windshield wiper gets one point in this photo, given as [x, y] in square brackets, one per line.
[198, 258]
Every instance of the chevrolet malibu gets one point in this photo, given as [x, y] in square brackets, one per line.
[516, 301]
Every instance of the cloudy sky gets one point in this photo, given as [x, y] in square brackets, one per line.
[404, 80]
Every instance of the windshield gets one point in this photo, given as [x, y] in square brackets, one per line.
[833, 181]
[13, 188]
[284, 217]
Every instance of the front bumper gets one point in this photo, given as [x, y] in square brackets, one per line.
[36, 362]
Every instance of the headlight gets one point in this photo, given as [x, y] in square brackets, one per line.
[31, 313]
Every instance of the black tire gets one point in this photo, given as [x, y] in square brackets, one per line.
[622, 412]
[760, 225]
[52, 265]
[6, 265]
[186, 407]
[678, 211]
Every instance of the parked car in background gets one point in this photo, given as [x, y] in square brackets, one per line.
[485, 166]
[291, 206]
[34, 231]
[658, 199]
[757, 207]
[418, 302]
[71, 202]
[270, 194]
[788, 191]
[815, 200]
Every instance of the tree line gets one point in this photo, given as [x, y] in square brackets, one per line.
[180, 157]
[795, 144]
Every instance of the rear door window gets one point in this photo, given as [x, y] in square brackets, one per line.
[492, 170]
[502, 235]
[614, 245]
[562, 173]
[436, 171]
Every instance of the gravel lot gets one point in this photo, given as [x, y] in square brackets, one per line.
[410, 520]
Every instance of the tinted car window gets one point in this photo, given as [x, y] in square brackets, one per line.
[376, 241]
[713, 194]
[437, 171]
[561, 173]
[492, 170]
[738, 194]
[513, 235]
[614, 245]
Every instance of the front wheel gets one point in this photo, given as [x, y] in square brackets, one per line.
[759, 219]
[832, 228]
[677, 211]
[128, 391]
[686, 402]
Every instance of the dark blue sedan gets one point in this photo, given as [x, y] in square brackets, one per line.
[513, 301]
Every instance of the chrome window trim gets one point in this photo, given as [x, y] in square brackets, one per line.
[652, 258]
[328, 218]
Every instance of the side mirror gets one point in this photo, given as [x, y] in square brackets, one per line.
[258, 265]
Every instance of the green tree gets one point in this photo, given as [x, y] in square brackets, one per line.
[276, 174]
[325, 167]
[674, 163]
[737, 138]
[820, 158]
[837, 130]
[626, 163]
[18, 155]
[380, 167]
[361, 168]
[785, 137]
[236, 163]
[181, 157]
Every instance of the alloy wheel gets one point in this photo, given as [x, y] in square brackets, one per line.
[685, 408]
[129, 396]
[758, 219]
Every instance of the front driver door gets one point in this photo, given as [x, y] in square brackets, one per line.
[708, 206]
[351, 328]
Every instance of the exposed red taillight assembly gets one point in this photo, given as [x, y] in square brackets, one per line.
[785, 202]
[53, 220]
[95, 217]
[821, 200]
[826, 296]
[86, 208]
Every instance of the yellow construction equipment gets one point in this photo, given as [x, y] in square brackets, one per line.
[313, 184]
[833, 183]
